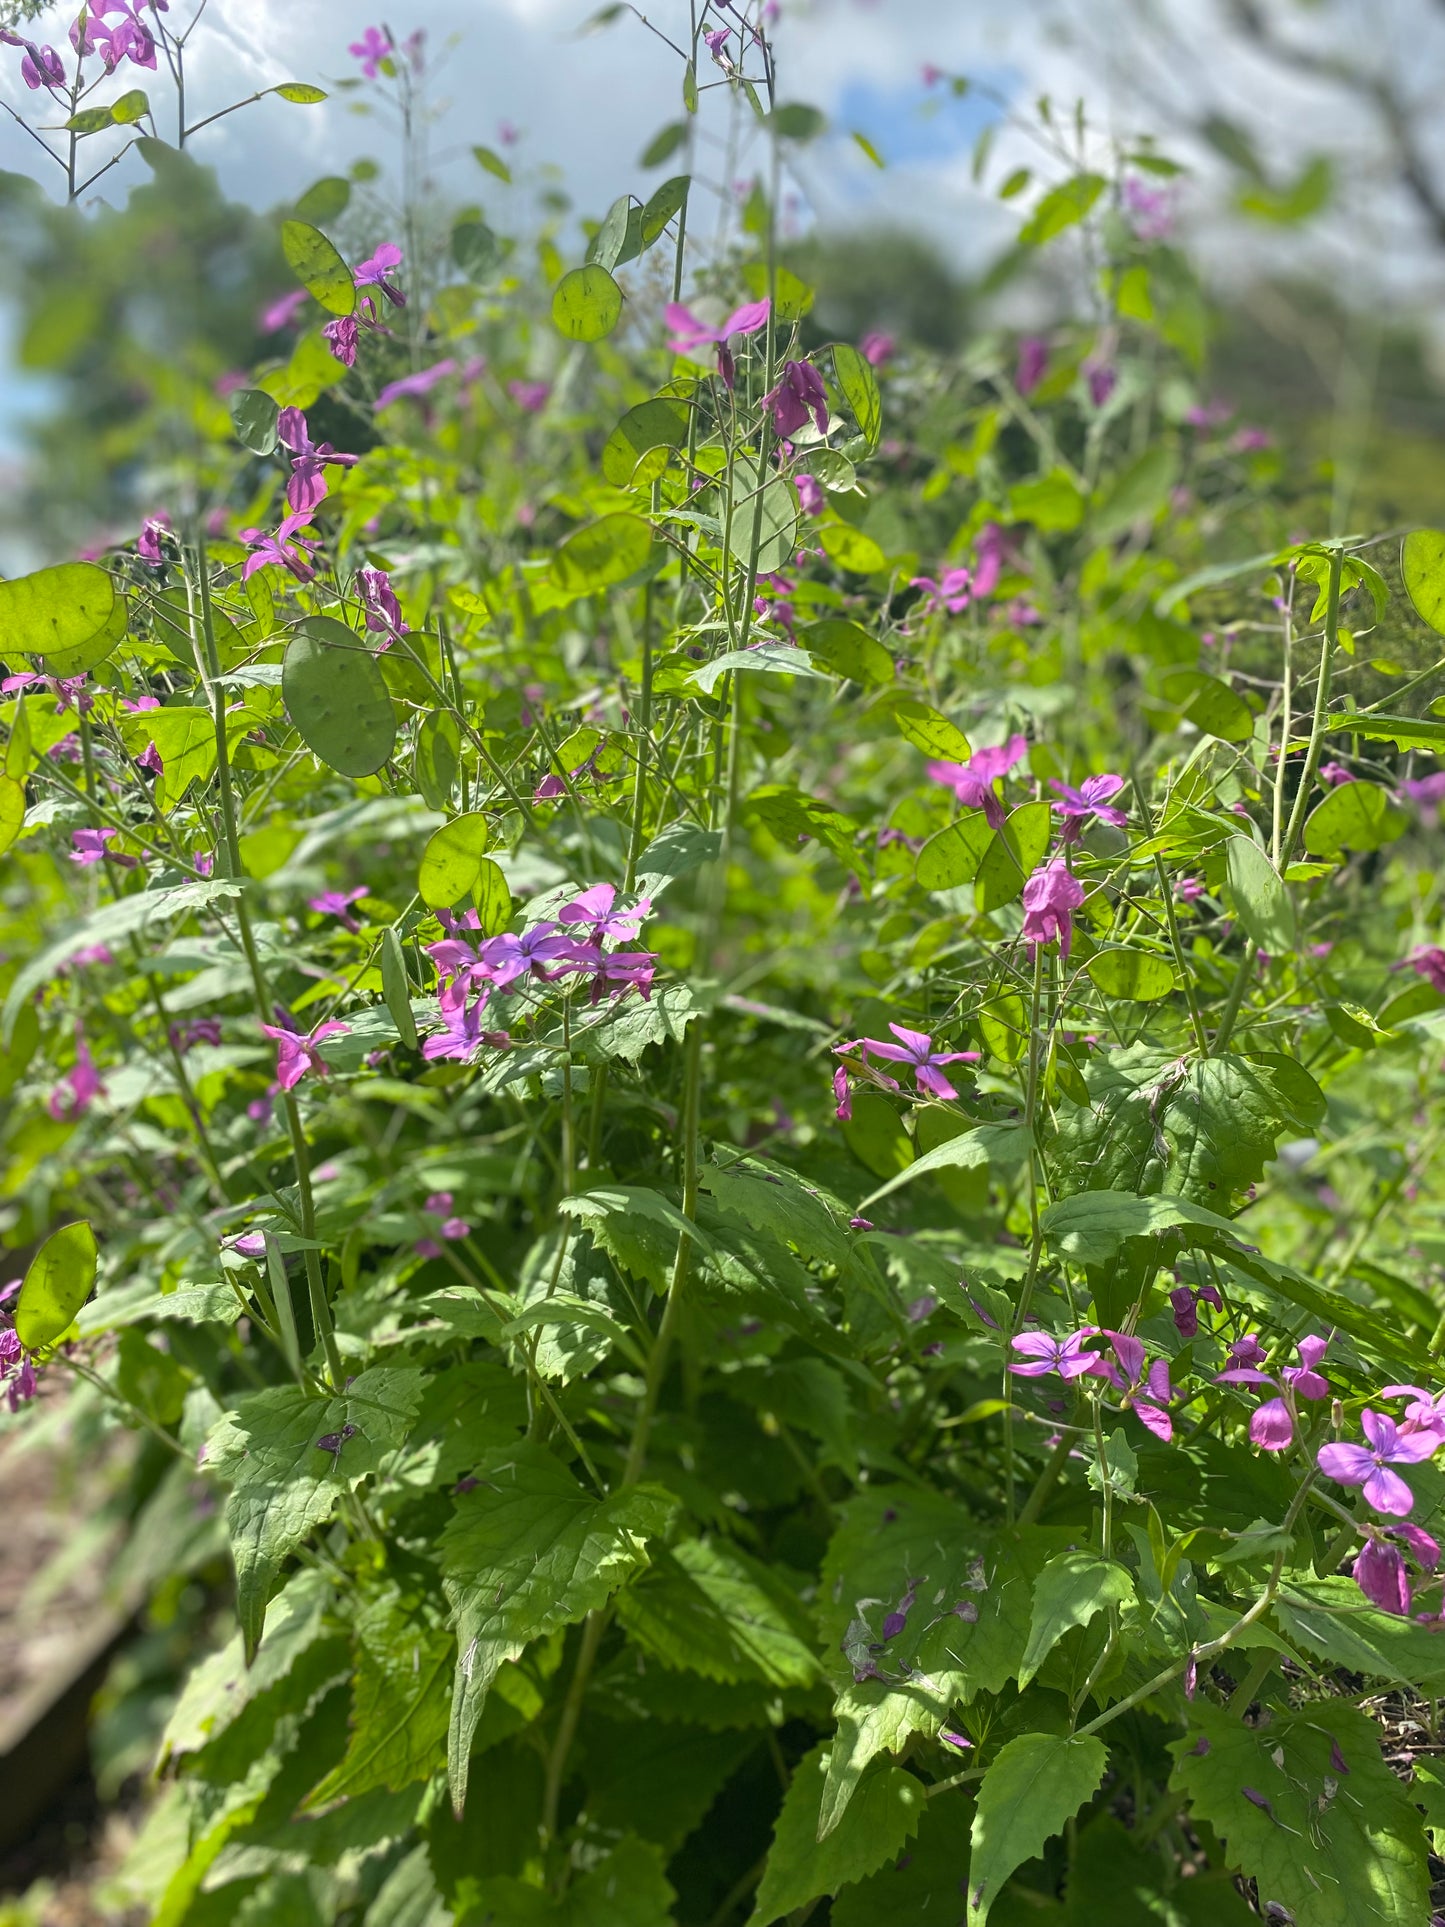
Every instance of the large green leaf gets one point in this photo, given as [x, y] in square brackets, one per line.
[952, 855]
[1069, 1592]
[921, 724]
[706, 1608]
[284, 1484]
[398, 1703]
[627, 1888]
[1013, 855]
[318, 267]
[454, 866]
[1114, 1879]
[78, 658]
[1090, 1226]
[1332, 1618]
[527, 1551]
[1035, 1785]
[1203, 1129]
[1422, 564]
[637, 449]
[932, 1867]
[885, 1813]
[1261, 901]
[57, 611]
[57, 1283]
[587, 304]
[855, 376]
[1333, 1848]
[1354, 816]
[657, 1778]
[337, 697]
[602, 553]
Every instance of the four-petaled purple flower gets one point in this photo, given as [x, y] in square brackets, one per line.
[285, 549]
[799, 394]
[148, 543]
[84, 1085]
[297, 1051]
[948, 594]
[461, 1034]
[1146, 1392]
[343, 334]
[1369, 1465]
[307, 487]
[594, 916]
[1272, 1424]
[1033, 362]
[915, 1049]
[688, 334]
[1091, 798]
[371, 50]
[1051, 896]
[89, 846]
[449, 1227]
[130, 39]
[378, 598]
[1423, 1413]
[973, 782]
[337, 903]
[1066, 1355]
[373, 273]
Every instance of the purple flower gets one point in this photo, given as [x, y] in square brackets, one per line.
[297, 1052]
[973, 782]
[283, 311]
[1303, 1378]
[1102, 378]
[1425, 789]
[371, 50]
[1050, 898]
[336, 903]
[1184, 1299]
[1334, 774]
[41, 66]
[450, 1228]
[915, 1049]
[151, 759]
[196, 1030]
[88, 846]
[1250, 441]
[616, 973]
[1208, 414]
[1148, 1392]
[1091, 798]
[1066, 1356]
[148, 543]
[877, 348]
[799, 394]
[989, 551]
[1151, 209]
[130, 39]
[1428, 963]
[285, 549]
[307, 487]
[378, 598]
[343, 334]
[530, 396]
[1369, 1466]
[84, 1082]
[1189, 889]
[418, 384]
[950, 594]
[1423, 1414]
[689, 334]
[1380, 1574]
[17, 1373]
[461, 1033]
[1032, 365]
[594, 910]
[810, 494]
[373, 273]
[842, 1095]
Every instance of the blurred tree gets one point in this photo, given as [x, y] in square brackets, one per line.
[125, 316]
[886, 279]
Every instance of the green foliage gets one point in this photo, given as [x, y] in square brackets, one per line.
[674, 1055]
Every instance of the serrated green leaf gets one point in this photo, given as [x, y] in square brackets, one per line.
[283, 1484]
[1035, 1785]
[1069, 1592]
[1331, 1848]
[526, 1551]
[885, 1813]
[706, 1608]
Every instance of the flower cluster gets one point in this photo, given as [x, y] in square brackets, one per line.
[577, 944]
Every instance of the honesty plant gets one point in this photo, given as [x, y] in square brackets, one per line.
[700, 1037]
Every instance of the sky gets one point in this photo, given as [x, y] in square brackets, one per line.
[586, 104]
